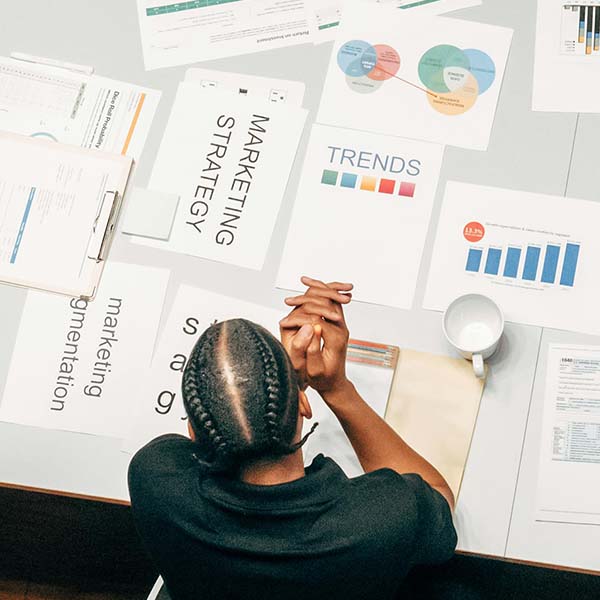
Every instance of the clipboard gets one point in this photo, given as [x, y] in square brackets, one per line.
[59, 206]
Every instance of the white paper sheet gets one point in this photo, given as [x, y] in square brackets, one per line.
[362, 213]
[535, 255]
[567, 57]
[176, 33]
[434, 7]
[569, 475]
[78, 365]
[193, 311]
[327, 14]
[277, 91]
[72, 108]
[373, 384]
[399, 73]
[229, 159]
[53, 199]
[326, 17]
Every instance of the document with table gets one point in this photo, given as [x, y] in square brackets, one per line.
[58, 207]
[567, 47]
[61, 105]
[185, 32]
[568, 480]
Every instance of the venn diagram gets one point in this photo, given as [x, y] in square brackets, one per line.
[452, 78]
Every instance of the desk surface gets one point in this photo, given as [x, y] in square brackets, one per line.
[538, 152]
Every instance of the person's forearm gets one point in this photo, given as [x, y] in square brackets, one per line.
[376, 444]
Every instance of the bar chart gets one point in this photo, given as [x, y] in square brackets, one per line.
[550, 263]
[580, 28]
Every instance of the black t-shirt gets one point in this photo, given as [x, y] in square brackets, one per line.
[321, 536]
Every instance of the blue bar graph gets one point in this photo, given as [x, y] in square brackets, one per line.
[13, 257]
[550, 263]
[511, 266]
[532, 258]
[492, 263]
[567, 276]
[528, 263]
[474, 260]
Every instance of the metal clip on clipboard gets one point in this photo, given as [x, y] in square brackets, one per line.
[104, 226]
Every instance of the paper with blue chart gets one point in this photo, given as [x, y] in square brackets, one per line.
[535, 255]
[362, 213]
[567, 47]
[426, 77]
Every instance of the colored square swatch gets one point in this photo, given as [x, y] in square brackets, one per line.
[368, 183]
[386, 186]
[348, 180]
[329, 177]
[407, 189]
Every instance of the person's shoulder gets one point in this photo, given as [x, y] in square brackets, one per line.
[393, 492]
[384, 490]
[382, 478]
[164, 456]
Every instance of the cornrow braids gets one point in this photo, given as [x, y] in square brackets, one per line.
[240, 393]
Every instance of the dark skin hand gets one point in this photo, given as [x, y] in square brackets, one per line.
[318, 316]
[315, 336]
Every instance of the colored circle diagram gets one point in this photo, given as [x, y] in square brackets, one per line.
[451, 78]
[366, 66]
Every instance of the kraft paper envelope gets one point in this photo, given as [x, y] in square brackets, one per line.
[433, 405]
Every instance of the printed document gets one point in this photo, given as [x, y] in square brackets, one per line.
[63, 106]
[229, 159]
[535, 255]
[177, 33]
[53, 202]
[398, 72]
[569, 474]
[78, 365]
[276, 91]
[327, 14]
[566, 74]
[362, 213]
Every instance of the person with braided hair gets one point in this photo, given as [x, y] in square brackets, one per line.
[233, 513]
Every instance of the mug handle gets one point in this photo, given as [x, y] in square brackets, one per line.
[478, 366]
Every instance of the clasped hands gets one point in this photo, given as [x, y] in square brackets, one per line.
[315, 334]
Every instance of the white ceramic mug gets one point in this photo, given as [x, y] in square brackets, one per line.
[473, 324]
